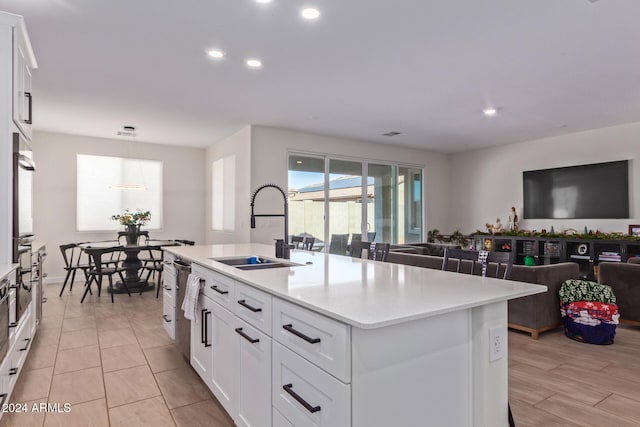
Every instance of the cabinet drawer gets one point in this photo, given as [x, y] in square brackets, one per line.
[279, 420]
[323, 341]
[169, 284]
[218, 287]
[169, 318]
[305, 394]
[253, 306]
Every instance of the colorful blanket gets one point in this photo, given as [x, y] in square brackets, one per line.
[584, 290]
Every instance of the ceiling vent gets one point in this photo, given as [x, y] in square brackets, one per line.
[127, 131]
[392, 133]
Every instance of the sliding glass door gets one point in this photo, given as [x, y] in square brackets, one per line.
[306, 196]
[380, 202]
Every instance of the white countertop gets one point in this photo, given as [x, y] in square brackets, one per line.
[365, 294]
[6, 269]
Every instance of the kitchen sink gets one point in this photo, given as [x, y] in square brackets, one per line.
[253, 263]
[260, 266]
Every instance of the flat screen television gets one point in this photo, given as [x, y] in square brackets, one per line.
[599, 190]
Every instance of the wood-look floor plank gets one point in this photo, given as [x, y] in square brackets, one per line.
[576, 412]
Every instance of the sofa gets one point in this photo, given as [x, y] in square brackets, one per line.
[624, 279]
[534, 313]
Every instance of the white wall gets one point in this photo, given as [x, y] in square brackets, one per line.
[486, 183]
[269, 160]
[238, 144]
[55, 190]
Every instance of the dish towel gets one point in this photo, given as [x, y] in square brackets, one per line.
[190, 302]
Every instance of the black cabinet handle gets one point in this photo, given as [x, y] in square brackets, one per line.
[202, 326]
[215, 288]
[206, 343]
[165, 288]
[243, 303]
[30, 99]
[166, 319]
[26, 346]
[289, 389]
[247, 337]
[13, 325]
[299, 334]
[13, 371]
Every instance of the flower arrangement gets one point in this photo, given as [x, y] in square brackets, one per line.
[129, 218]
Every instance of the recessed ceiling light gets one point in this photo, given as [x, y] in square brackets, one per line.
[490, 111]
[263, 1]
[310, 13]
[215, 53]
[299, 162]
[254, 63]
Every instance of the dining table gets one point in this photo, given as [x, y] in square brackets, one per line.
[132, 263]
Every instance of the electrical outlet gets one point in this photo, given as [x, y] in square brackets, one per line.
[497, 343]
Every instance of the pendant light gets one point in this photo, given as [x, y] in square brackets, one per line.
[130, 185]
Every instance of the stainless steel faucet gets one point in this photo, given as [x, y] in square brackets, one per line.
[285, 242]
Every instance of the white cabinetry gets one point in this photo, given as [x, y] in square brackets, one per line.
[19, 344]
[224, 358]
[231, 348]
[23, 63]
[201, 349]
[254, 376]
[169, 295]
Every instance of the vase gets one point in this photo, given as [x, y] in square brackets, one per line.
[133, 233]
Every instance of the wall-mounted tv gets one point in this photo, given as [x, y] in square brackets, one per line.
[599, 190]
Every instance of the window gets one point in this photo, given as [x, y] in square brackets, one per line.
[97, 199]
[223, 198]
[349, 196]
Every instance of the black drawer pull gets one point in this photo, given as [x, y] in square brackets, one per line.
[289, 389]
[247, 337]
[215, 288]
[247, 306]
[165, 288]
[13, 325]
[206, 334]
[13, 371]
[203, 325]
[166, 319]
[26, 346]
[299, 334]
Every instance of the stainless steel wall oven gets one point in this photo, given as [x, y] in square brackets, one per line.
[23, 168]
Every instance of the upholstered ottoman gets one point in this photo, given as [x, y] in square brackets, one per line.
[589, 311]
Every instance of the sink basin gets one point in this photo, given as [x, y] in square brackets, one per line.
[260, 266]
[259, 263]
[245, 260]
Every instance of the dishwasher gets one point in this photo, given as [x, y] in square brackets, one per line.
[183, 326]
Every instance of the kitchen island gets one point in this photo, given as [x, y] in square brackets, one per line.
[333, 341]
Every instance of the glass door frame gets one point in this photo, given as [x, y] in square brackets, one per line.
[364, 187]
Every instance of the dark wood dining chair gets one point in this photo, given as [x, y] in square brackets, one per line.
[357, 248]
[100, 261]
[308, 242]
[72, 256]
[495, 264]
[297, 241]
[152, 265]
[338, 244]
[379, 252]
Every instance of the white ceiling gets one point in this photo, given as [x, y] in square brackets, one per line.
[425, 68]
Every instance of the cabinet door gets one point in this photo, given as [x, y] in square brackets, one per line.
[22, 95]
[224, 342]
[201, 340]
[254, 377]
